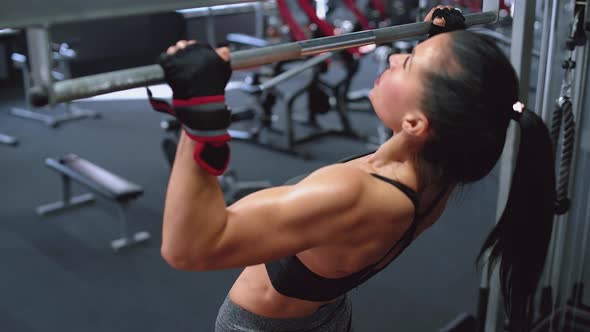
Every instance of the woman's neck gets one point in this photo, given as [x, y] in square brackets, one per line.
[397, 150]
[400, 156]
[401, 153]
[397, 157]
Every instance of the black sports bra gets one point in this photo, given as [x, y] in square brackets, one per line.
[290, 277]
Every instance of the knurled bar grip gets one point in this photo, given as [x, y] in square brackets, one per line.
[94, 85]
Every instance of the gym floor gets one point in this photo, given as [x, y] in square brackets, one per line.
[60, 274]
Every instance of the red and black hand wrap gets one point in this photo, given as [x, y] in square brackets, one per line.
[454, 20]
[160, 105]
[205, 120]
[197, 76]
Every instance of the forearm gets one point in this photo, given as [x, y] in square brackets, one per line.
[195, 211]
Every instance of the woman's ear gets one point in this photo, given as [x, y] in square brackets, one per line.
[416, 124]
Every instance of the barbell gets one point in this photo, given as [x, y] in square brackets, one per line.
[93, 85]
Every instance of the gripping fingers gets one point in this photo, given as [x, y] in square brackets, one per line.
[181, 44]
[440, 21]
[223, 53]
[428, 17]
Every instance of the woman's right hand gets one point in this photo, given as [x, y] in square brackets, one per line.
[444, 19]
[440, 21]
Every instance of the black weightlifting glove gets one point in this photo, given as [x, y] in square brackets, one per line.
[454, 20]
[195, 71]
[198, 76]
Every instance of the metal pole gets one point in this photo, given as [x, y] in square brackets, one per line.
[547, 104]
[40, 58]
[522, 44]
[578, 96]
[548, 89]
[295, 71]
[260, 23]
[321, 8]
[210, 23]
[520, 56]
[545, 53]
[89, 86]
[495, 309]
[490, 5]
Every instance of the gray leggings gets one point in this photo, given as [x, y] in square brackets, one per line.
[331, 317]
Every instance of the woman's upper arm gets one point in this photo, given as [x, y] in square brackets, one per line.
[283, 221]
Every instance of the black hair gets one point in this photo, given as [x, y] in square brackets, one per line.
[468, 102]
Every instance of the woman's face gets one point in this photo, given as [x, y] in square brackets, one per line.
[399, 88]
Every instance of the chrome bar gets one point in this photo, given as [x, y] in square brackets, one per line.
[295, 71]
[93, 85]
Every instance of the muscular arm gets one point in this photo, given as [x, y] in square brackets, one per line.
[201, 233]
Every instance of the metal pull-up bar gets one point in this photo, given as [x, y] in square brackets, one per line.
[94, 85]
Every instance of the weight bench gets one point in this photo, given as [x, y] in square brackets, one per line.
[8, 140]
[101, 182]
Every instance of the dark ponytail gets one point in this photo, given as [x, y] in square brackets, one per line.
[469, 100]
[520, 239]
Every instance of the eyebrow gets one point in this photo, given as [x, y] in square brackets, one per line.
[412, 56]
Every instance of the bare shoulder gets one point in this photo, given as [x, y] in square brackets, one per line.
[373, 197]
[338, 176]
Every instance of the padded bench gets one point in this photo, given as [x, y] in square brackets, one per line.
[101, 182]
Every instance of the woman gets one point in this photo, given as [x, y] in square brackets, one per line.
[306, 245]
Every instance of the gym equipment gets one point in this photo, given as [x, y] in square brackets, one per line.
[8, 140]
[210, 24]
[574, 314]
[62, 55]
[266, 91]
[233, 189]
[500, 38]
[362, 20]
[100, 181]
[319, 94]
[489, 313]
[266, 97]
[349, 57]
[243, 39]
[67, 90]
[566, 316]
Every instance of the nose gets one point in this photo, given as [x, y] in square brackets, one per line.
[396, 60]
